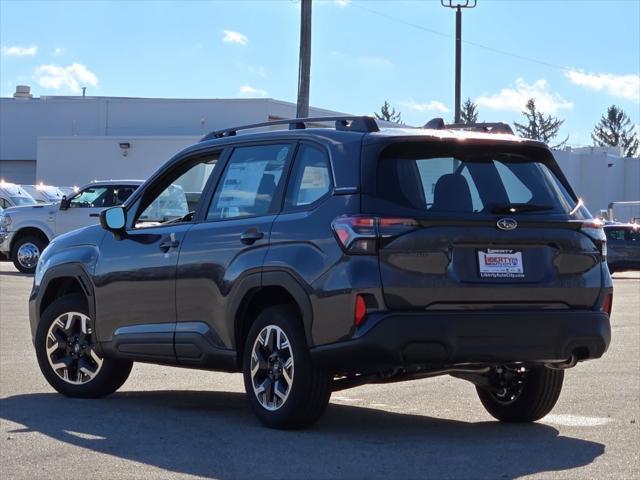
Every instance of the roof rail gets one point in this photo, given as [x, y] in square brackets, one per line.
[363, 124]
[487, 127]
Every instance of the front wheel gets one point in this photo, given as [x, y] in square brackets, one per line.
[520, 394]
[67, 352]
[285, 389]
[25, 253]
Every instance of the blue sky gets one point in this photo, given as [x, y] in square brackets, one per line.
[575, 57]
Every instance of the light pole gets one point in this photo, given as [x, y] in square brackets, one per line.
[304, 70]
[458, 5]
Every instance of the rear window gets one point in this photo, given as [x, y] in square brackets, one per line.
[471, 183]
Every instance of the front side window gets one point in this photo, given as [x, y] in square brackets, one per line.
[250, 181]
[121, 193]
[471, 182]
[311, 178]
[615, 234]
[91, 197]
[176, 197]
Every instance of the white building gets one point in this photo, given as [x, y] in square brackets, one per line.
[64, 140]
[601, 175]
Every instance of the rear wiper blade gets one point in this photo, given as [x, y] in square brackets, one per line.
[520, 207]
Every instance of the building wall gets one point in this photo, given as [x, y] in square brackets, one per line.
[22, 172]
[69, 161]
[23, 122]
[600, 175]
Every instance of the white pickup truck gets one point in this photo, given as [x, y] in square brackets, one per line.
[26, 230]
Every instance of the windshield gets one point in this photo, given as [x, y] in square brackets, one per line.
[472, 183]
[43, 194]
[19, 201]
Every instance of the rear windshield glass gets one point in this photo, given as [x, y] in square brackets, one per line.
[497, 183]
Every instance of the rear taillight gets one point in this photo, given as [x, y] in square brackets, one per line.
[593, 229]
[361, 234]
[607, 303]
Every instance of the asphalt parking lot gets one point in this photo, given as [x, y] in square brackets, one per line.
[174, 423]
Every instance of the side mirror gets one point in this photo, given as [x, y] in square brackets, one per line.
[64, 203]
[113, 219]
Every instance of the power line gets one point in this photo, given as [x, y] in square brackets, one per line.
[474, 44]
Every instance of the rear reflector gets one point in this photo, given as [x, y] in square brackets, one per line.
[607, 303]
[360, 310]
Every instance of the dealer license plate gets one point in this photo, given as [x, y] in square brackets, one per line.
[500, 263]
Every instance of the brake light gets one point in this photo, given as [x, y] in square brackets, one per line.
[607, 303]
[360, 311]
[361, 234]
[593, 229]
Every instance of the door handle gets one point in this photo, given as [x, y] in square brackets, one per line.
[251, 236]
[168, 243]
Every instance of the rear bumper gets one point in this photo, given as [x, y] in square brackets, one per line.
[454, 338]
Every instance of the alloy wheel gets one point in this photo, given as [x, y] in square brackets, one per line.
[70, 349]
[510, 382]
[272, 367]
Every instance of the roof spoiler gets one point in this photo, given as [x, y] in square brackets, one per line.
[486, 127]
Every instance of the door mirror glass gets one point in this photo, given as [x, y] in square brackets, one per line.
[113, 219]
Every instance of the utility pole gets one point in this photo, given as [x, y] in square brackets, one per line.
[458, 5]
[304, 72]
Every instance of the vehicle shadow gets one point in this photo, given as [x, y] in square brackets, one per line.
[15, 274]
[214, 434]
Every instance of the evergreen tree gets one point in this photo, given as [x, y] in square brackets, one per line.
[388, 113]
[615, 129]
[538, 126]
[469, 112]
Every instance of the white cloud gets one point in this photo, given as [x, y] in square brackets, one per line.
[342, 3]
[374, 61]
[234, 37]
[621, 86]
[257, 70]
[249, 91]
[432, 106]
[71, 78]
[58, 51]
[515, 98]
[18, 51]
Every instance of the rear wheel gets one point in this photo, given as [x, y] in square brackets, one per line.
[521, 394]
[285, 389]
[26, 251]
[67, 352]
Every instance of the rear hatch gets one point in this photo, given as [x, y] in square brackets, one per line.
[473, 226]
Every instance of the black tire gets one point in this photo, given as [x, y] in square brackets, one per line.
[540, 392]
[310, 388]
[34, 240]
[110, 376]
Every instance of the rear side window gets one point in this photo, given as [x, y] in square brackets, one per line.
[470, 182]
[311, 178]
[251, 179]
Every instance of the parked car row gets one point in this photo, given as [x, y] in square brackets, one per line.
[28, 224]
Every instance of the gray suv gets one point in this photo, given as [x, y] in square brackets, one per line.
[318, 259]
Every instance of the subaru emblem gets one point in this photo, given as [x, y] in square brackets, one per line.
[507, 224]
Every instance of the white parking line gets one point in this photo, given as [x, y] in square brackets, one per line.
[576, 420]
